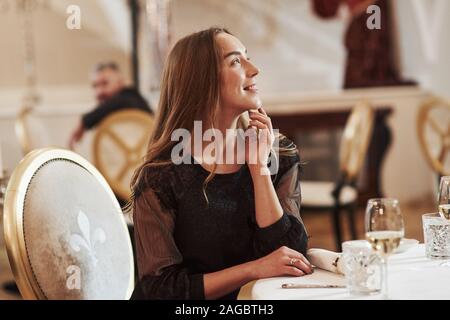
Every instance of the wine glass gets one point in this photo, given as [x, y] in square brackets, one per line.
[384, 231]
[444, 205]
[444, 197]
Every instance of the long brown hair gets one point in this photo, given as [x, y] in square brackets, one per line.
[190, 91]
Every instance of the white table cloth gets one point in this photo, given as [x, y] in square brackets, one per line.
[410, 275]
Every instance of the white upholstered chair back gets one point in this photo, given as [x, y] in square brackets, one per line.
[65, 232]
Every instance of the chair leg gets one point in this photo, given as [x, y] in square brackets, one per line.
[337, 227]
[351, 218]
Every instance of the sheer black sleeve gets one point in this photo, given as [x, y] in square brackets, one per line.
[162, 274]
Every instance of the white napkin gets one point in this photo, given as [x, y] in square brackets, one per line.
[326, 259]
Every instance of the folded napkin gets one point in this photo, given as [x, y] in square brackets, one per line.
[326, 259]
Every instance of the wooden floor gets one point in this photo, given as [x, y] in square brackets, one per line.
[319, 225]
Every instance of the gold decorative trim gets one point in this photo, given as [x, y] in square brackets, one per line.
[22, 130]
[356, 139]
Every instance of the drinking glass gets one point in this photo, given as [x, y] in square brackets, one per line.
[444, 203]
[436, 235]
[384, 231]
[362, 267]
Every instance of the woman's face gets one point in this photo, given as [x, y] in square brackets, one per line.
[238, 90]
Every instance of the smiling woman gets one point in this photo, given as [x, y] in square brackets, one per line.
[204, 230]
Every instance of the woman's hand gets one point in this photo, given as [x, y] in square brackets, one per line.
[260, 141]
[283, 261]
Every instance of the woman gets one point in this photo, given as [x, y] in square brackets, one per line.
[204, 230]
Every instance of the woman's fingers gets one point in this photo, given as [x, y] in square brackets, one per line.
[262, 111]
[305, 261]
[258, 124]
[297, 255]
[265, 113]
[300, 264]
[257, 115]
[264, 133]
[261, 116]
[293, 271]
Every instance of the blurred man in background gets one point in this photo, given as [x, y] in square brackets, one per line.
[112, 95]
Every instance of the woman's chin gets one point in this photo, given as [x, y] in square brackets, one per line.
[255, 104]
[252, 107]
[247, 105]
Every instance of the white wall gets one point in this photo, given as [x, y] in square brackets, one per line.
[295, 50]
[287, 41]
[58, 116]
[425, 43]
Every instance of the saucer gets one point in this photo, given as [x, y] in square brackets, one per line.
[405, 245]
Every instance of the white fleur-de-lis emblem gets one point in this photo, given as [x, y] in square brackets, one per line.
[78, 241]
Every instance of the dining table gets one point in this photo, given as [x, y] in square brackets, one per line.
[411, 276]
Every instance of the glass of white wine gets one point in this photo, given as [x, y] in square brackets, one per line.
[444, 197]
[444, 208]
[384, 231]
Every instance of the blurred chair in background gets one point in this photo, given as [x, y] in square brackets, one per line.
[343, 194]
[120, 143]
[433, 129]
[30, 131]
[65, 233]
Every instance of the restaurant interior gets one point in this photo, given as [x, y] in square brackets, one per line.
[362, 88]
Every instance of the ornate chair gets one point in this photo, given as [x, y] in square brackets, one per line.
[343, 194]
[65, 233]
[30, 131]
[120, 143]
[433, 129]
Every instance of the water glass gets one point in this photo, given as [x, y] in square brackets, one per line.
[436, 233]
[362, 267]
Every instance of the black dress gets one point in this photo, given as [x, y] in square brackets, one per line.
[179, 236]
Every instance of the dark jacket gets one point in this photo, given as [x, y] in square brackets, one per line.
[127, 98]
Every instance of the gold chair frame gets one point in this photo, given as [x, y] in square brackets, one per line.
[424, 118]
[356, 128]
[133, 155]
[22, 130]
[13, 216]
[355, 142]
